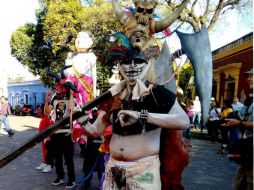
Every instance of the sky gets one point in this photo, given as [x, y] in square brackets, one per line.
[15, 13]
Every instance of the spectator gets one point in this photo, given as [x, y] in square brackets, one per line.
[48, 159]
[239, 109]
[4, 112]
[213, 121]
[237, 106]
[197, 112]
[190, 113]
[243, 179]
[226, 110]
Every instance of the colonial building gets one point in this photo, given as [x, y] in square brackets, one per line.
[229, 64]
[27, 92]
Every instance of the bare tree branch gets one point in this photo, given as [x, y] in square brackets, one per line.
[207, 9]
[211, 12]
[230, 2]
[216, 14]
[193, 5]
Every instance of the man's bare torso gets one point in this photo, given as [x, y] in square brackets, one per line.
[134, 147]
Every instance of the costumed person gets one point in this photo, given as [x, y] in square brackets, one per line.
[139, 30]
[138, 113]
[83, 75]
[83, 70]
[62, 103]
[142, 110]
[48, 159]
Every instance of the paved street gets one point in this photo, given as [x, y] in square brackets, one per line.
[207, 169]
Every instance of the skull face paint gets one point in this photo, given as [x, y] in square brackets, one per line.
[133, 69]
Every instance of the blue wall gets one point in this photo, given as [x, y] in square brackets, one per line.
[29, 92]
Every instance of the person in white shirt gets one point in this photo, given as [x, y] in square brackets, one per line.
[213, 121]
[197, 112]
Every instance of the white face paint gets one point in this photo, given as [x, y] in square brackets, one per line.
[83, 41]
[137, 69]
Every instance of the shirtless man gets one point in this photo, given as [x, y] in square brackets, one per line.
[137, 113]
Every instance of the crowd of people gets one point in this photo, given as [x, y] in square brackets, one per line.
[61, 145]
[225, 125]
[234, 123]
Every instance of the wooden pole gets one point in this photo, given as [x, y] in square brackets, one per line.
[7, 158]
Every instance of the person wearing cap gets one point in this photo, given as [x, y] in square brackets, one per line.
[138, 113]
[244, 176]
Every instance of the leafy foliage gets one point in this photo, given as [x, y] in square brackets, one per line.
[45, 45]
[184, 76]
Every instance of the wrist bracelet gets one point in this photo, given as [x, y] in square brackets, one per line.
[143, 118]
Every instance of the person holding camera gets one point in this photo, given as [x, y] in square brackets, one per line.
[242, 151]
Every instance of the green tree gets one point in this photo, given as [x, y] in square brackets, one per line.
[46, 44]
[58, 23]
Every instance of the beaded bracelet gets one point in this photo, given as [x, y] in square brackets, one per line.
[143, 118]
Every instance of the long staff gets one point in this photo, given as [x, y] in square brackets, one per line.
[7, 158]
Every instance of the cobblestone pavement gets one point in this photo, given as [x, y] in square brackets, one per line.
[207, 170]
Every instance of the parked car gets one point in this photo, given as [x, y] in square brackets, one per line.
[27, 110]
[17, 110]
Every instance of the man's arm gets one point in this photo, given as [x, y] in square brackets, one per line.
[236, 122]
[47, 107]
[175, 119]
[97, 128]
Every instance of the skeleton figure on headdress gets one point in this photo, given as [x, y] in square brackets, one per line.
[83, 70]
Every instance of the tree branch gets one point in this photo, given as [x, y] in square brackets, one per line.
[207, 9]
[216, 14]
[193, 5]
